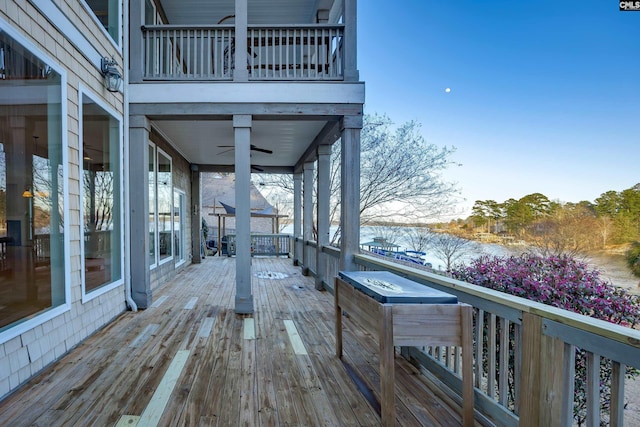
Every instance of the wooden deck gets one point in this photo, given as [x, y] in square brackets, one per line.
[190, 360]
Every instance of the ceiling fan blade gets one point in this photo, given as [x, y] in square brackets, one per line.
[252, 147]
[263, 150]
[224, 151]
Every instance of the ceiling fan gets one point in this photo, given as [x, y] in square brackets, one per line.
[252, 147]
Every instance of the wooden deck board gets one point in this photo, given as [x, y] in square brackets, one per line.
[227, 379]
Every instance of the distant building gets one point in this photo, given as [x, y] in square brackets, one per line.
[219, 190]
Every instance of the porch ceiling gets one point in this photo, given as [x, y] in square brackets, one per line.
[182, 12]
[210, 142]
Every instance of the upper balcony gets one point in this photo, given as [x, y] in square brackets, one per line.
[291, 40]
[283, 52]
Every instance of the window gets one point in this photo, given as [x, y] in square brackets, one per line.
[179, 226]
[101, 196]
[161, 214]
[108, 14]
[152, 205]
[32, 176]
[150, 14]
[164, 206]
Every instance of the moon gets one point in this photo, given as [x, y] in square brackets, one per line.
[447, 90]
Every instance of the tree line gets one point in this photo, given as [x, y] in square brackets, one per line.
[612, 219]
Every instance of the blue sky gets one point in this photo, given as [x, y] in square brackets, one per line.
[545, 95]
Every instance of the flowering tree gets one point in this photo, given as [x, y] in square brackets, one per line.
[563, 282]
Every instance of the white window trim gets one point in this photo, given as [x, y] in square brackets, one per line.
[117, 44]
[88, 296]
[154, 264]
[47, 315]
[169, 258]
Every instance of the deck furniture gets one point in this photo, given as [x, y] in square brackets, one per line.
[399, 312]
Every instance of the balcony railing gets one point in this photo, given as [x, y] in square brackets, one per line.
[290, 52]
[262, 244]
[525, 353]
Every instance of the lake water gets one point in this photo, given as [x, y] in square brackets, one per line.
[612, 267]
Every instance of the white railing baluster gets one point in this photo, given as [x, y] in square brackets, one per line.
[208, 55]
[168, 55]
[286, 53]
[315, 53]
[275, 42]
[295, 53]
[309, 56]
[189, 68]
[280, 63]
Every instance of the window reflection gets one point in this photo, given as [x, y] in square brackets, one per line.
[161, 214]
[152, 205]
[31, 185]
[107, 13]
[101, 195]
[179, 225]
[165, 205]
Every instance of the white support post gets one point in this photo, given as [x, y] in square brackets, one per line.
[240, 73]
[139, 128]
[350, 191]
[307, 214]
[323, 209]
[297, 216]
[242, 132]
[351, 42]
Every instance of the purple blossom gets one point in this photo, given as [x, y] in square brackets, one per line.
[560, 281]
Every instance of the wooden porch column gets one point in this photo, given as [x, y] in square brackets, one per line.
[307, 215]
[196, 221]
[297, 216]
[242, 132]
[139, 128]
[350, 191]
[240, 73]
[351, 73]
[322, 209]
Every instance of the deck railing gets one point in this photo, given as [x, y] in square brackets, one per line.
[295, 52]
[526, 354]
[176, 52]
[286, 52]
[262, 244]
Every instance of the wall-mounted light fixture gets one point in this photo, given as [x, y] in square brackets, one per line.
[112, 77]
[27, 194]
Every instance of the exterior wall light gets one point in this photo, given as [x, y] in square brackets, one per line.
[112, 77]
